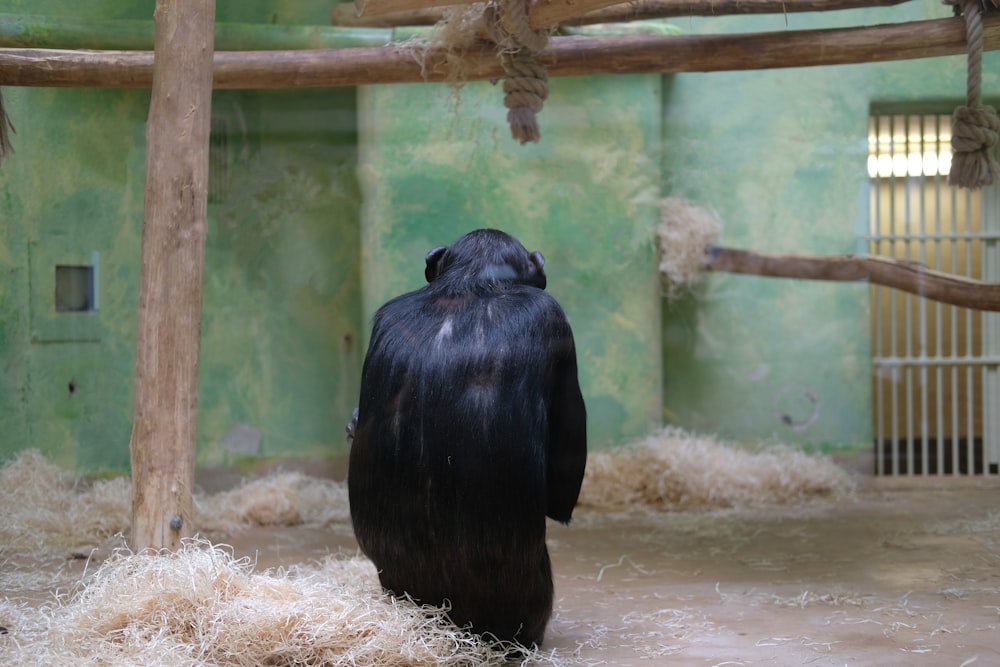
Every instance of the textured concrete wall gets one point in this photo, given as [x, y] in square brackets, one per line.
[308, 238]
[71, 194]
[436, 163]
[782, 157]
[282, 307]
[281, 328]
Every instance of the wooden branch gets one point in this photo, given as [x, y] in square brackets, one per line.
[170, 281]
[376, 7]
[345, 14]
[565, 56]
[546, 13]
[65, 32]
[661, 9]
[907, 276]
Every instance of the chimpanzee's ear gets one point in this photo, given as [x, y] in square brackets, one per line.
[537, 276]
[433, 257]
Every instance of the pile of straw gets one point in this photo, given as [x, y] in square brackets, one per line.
[201, 607]
[48, 510]
[676, 470]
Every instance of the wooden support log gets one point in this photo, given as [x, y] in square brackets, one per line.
[906, 276]
[170, 281]
[376, 7]
[345, 14]
[547, 13]
[47, 32]
[565, 56]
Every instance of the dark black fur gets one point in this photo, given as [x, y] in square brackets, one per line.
[471, 429]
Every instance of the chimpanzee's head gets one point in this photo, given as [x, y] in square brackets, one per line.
[486, 255]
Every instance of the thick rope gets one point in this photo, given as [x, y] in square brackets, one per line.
[6, 129]
[526, 88]
[526, 85]
[975, 127]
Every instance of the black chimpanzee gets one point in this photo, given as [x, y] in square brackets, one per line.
[471, 429]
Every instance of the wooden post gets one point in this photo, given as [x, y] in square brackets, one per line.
[173, 248]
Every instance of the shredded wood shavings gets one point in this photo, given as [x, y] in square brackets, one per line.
[675, 470]
[201, 606]
[685, 233]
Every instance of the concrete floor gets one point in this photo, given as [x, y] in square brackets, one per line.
[904, 572]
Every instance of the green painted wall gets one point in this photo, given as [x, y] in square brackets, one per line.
[436, 163]
[59, 209]
[282, 308]
[781, 156]
[325, 202]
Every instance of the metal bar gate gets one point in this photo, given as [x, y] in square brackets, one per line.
[935, 378]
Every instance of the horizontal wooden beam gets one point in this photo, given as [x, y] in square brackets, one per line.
[565, 56]
[27, 31]
[547, 13]
[345, 15]
[906, 276]
[378, 7]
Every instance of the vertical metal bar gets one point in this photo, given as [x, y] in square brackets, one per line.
[874, 226]
[954, 342]
[920, 185]
[991, 333]
[894, 386]
[874, 245]
[970, 402]
[908, 300]
[939, 346]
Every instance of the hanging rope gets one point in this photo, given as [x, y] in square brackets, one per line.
[975, 128]
[6, 129]
[527, 82]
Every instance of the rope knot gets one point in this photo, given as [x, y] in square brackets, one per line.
[975, 127]
[526, 88]
[526, 85]
[975, 130]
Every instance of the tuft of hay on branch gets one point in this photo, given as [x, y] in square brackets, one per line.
[459, 29]
[684, 234]
[675, 470]
[200, 606]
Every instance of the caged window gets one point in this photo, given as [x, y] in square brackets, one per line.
[934, 366]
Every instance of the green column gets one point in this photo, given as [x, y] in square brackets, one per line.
[436, 163]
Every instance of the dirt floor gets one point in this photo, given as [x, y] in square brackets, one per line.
[901, 572]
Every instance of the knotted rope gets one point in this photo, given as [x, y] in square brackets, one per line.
[975, 127]
[527, 82]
